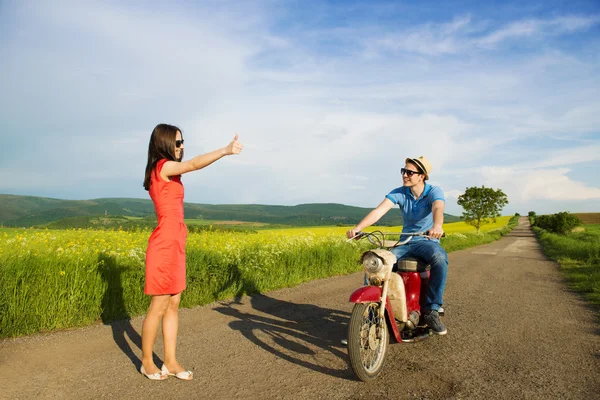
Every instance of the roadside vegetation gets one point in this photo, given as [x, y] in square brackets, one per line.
[55, 279]
[576, 248]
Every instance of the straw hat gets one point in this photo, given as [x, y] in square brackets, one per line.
[422, 163]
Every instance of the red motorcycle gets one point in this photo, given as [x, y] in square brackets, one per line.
[389, 304]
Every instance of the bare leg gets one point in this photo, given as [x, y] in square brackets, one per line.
[156, 311]
[170, 327]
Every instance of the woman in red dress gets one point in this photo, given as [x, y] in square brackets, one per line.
[165, 256]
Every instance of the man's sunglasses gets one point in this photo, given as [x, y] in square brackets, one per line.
[408, 172]
[178, 143]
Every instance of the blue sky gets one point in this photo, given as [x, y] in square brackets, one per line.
[328, 98]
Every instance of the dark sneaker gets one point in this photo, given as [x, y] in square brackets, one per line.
[432, 319]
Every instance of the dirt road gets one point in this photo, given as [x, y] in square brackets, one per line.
[514, 331]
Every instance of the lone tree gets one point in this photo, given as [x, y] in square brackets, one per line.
[481, 205]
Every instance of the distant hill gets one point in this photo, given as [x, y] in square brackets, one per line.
[29, 211]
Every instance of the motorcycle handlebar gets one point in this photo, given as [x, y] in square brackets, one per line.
[362, 234]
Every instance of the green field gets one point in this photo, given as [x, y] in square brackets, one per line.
[54, 279]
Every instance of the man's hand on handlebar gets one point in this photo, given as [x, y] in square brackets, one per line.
[436, 232]
[352, 232]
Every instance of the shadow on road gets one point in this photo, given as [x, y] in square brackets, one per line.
[303, 334]
[520, 235]
[114, 312]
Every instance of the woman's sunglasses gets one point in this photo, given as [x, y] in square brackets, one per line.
[178, 143]
[408, 172]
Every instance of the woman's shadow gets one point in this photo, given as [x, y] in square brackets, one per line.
[114, 312]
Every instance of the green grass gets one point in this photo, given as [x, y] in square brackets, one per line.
[55, 279]
[578, 254]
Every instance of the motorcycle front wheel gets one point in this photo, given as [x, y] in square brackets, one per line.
[367, 341]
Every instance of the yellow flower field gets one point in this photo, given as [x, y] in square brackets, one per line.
[52, 279]
[454, 227]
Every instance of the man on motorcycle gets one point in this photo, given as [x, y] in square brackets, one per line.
[422, 207]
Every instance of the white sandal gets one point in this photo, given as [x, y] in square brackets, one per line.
[157, 376]
[183, 375]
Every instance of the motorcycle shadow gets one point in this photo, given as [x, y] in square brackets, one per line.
[303, 334]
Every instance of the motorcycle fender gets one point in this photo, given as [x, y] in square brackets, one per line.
[366, 294]
[372, 294]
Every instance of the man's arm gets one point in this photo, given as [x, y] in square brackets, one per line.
[371, 217]
[437, 209]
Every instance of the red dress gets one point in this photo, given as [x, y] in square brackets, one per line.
[165, 256]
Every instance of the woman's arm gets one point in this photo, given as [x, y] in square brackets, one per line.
[172, 168]
[371, 217]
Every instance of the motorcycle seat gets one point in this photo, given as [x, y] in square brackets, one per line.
[412, 265]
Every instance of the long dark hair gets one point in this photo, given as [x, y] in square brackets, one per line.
[162, 145]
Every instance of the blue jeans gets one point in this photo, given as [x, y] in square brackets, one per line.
[433, 254]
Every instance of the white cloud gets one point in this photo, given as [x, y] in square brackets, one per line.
[465, 33]
[428, 39]
[536, 29]
[564, 157]
[538, 184]
[544, 190]
[453, 194]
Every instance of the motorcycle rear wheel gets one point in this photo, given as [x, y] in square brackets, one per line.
[366, 350]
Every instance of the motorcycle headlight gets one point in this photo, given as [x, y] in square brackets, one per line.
[372, 263]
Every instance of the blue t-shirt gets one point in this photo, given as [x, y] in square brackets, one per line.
[416, 214]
